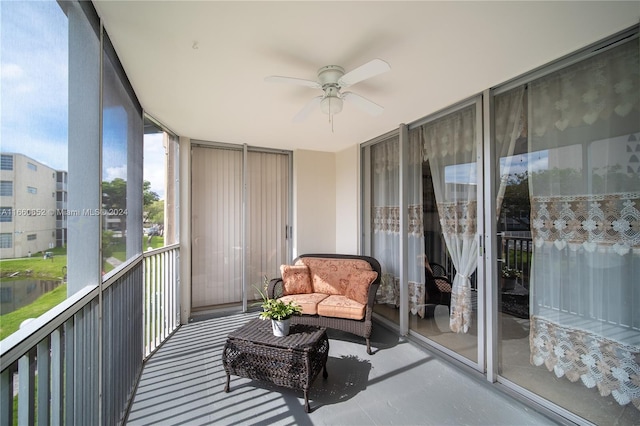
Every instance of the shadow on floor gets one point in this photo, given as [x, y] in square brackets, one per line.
[348, 375]
[183, 384]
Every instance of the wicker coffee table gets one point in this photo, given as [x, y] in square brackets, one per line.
[293, 361]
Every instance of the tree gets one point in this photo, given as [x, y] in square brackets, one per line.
[114, 200]
[516, 204]
[148, 196]
[154, 213]
[153, 206]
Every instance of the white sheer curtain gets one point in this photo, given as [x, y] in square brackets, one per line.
[510, 124]
[386, 223]
[450, 144]
[584, 127]
[415, 228]
[385, 160]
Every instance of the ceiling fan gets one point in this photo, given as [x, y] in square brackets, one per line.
[331, 79]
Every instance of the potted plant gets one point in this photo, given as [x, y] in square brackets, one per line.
[509, 277]
[279, 312]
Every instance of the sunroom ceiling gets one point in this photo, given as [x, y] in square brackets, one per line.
[199, 67]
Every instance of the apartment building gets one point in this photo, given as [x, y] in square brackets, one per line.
[27, 206]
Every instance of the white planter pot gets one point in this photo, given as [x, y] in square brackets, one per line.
[280, 328]
[507, 284]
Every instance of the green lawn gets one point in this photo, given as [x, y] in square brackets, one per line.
[48, 269]
[10, 322]
[156, 242]
[40, 268]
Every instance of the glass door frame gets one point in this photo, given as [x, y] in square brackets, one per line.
[403, 132]
[243, 304]
[481, 287]
[491, 247]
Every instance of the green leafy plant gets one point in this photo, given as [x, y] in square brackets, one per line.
[276, 309]
[511, 272]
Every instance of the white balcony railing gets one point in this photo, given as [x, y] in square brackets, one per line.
[79, 362]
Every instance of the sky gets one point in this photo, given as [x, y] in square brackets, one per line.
[33, 82]
[34, 94]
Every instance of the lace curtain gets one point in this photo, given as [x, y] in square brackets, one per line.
[415, 240]
[584, 127]
[386, 216]
[385, 160]
[450, 144]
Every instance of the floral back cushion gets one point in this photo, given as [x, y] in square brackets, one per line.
[359, 283]
[296, 279]
[331, 275]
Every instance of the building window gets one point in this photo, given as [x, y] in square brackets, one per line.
[6, 188]
[32, 166]
[32, 190]
[31, 237]
[6, 241]
[6, 162]
[6, 214]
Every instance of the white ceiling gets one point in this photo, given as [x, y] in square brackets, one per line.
[439, 52]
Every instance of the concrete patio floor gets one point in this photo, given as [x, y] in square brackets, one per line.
[400, 384]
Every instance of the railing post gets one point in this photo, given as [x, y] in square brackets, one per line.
[57, 384]
[61, 349]
[26, 388]
[44, 375]
[6, 396]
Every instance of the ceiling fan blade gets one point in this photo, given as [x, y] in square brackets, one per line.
[292, 80]
[363, 103]
[363, 72]
[308, 108]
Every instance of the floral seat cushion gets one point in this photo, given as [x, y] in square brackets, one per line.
[341, 307]
[308, 302]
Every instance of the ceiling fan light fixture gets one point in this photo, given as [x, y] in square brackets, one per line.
[331, 105]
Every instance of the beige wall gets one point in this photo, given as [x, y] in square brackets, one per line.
[347, 200]
[185, 228]
[314, 202]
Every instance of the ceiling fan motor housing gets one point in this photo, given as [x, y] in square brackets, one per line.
[332, 79]
[329, 75]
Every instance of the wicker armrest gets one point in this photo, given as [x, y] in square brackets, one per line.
[438, 270]
[443, 284]
[274, 289]
[373, 289]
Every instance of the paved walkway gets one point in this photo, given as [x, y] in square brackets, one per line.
[114, 262]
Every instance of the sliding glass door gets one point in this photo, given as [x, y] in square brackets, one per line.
[267, 210]
[240, 215]
[429, 213]
[216, 226]
[508, 230]
[443, 252]
[568, 151]
[384, 223]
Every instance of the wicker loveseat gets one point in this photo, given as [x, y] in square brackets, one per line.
[334, 290]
